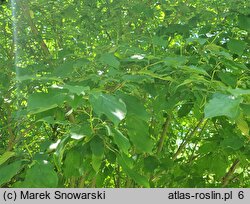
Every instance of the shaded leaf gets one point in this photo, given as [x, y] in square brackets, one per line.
[233, 141]
[236, 46]
[41, 175]
[151, 163]
[9, 171]
[244, 22]
[97, 148]
[135, 107]
[96, 163]
[175, 61]
[141, 180]
[185, 109]
[138, 134]
[110, 59]
[121, 141]
[72, 165]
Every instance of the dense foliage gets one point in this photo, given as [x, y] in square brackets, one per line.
[124, 93]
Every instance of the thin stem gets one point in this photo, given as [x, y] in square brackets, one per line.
[227, 178]
[185, 141]
[34, 29]
[163, 134]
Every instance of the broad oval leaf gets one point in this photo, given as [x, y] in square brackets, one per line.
[114, 108]
[236, 46]
[72, 165]
[139, 134]
[110, 59]
[97, 146]
[41, 175]
[135, 107]
[9, 171]
[40, 102]
[223, 105]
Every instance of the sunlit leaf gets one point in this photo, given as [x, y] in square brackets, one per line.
[222, 104]
[114, 108]
[5, 156]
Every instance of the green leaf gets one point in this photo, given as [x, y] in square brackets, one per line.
[59, 153]
[40, 102]
[232, 141]
[135, 107]
[79, 90]
[7, 155]
[109, 59]
[121, 141]
[185, 109]
[96, 163]
[141, 180]
[70, 12]
[213, 163]
[159, 41]
[222, 104]
[9, 171]
[137, 78]
[97, 148]
[128, 160]
[41, 175]
[246, 109]
[175, 61]
[236, 46]
[151, 163]
[72, 165]
[228, 78]
[239, 92]
[195, 70]
[243, 126]
[64, 69]
[244, 22]
[138, 134]
[218, 166]
[207, 147]
[114, 108]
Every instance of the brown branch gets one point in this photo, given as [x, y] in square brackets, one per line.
[186, 139]
[163, 134]
[12, 136]
[117, 87]
[193, 157]
[227, 178]
[70, 115]
[82, 180]
[34, 29]
[12, 139]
